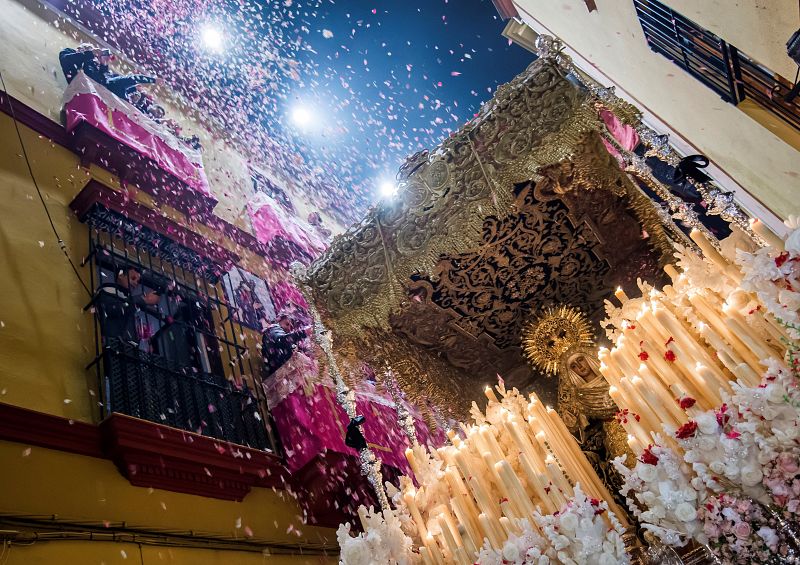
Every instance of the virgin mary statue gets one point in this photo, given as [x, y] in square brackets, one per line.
[582, 390]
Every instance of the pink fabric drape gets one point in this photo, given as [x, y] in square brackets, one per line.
[625, 135]
[310, 424]
[87, 101]
[270, 220]
[284, 293]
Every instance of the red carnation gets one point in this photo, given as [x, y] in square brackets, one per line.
[687, 430]
[648, 456]
[686, 402]
[670, 356]
[722, 417]
[643, 356]
[781, 259]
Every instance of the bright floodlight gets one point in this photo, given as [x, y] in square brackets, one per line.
[212, 37]
[302, 116]
[388, 189]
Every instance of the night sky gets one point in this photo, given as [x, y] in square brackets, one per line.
[375, 81]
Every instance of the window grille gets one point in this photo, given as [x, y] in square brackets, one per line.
[719, 65]
[183, 361]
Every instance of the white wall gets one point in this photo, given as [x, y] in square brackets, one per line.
[611, 40]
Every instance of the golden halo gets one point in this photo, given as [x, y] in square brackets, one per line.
[546, 338]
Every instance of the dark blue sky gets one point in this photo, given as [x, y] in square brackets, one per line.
[380, 80]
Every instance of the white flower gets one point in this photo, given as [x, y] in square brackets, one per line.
[768, 535]
[569, 523]
[647, 473]
[560, 542]
[510, 552]
[685, 512]
[707, 423]
[792, 244]
[789, 298]
[707, 443]
[607, 559]
[717, 467]
[751, 475]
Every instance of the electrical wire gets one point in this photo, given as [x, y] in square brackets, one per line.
[61, 244]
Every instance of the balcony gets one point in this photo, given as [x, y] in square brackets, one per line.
[152, 388]
[110, 132]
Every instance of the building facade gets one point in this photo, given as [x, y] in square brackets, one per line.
[138, 274]
[713, 75]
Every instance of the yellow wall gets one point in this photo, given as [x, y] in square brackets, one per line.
[108, 553]
[612, 41]
[45, 342]
[77, 488]
[46, 339]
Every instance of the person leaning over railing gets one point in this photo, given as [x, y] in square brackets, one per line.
[278, 344]
[94, 62]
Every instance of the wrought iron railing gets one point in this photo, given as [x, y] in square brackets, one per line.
[714, 62]
[146, 386]
[185, 362]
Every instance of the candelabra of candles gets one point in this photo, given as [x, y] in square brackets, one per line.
[680, 347]
[518, 460]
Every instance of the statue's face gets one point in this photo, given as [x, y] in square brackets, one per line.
[581, 366]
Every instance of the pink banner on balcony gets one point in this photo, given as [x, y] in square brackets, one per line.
[310, 422]
[271, 221]
[85, 101]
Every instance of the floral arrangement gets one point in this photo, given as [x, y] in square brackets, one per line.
[527, 548]
[740, 463]
[383, 541]
[580, 534]
[775, 278]
[740, 531]
[664, 495]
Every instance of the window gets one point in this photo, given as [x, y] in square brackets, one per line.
[169, 348]
[736, 77]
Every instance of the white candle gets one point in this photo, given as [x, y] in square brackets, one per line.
[761, 229]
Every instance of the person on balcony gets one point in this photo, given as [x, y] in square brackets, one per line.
[279, 343]
[117, 303]
[94, 62]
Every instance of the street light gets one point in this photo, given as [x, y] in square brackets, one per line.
[213, 39]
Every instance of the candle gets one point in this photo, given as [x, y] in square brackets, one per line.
[462, 505]
[490, 394]
[412, 461]
[662, 392]
[746, 375]
[362, 516]
[506, 524]
[709, 250]
[482, 497]
[489, 531]
[634, 445]
[535, 481]
[519, 498]
[672, 272]
[761, 229]
[433, 549]
[621, 296]
[447, 535]
[426, 555]
[410, 499]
